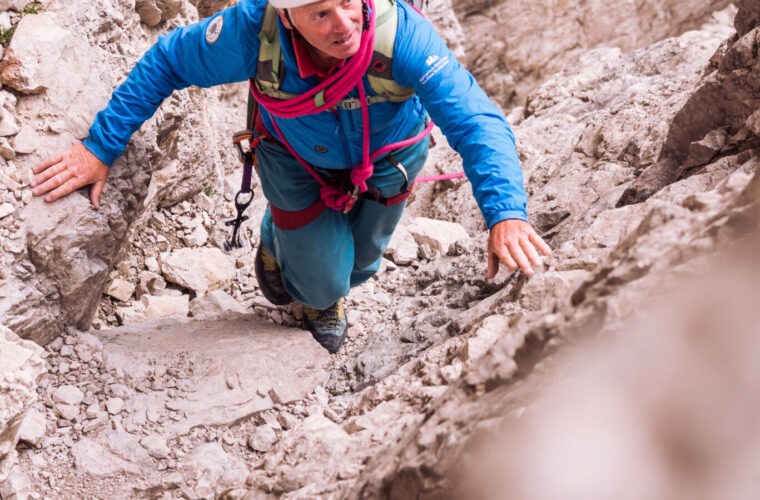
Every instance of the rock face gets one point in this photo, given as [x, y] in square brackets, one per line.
[20, 369]
[529, 40]
[720, 120]
[56, 257]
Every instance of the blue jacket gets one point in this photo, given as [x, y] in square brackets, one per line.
[473, 125]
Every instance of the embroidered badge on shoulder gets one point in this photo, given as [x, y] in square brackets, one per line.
[214, 29]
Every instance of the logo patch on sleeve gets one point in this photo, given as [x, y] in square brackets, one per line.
[214, 29]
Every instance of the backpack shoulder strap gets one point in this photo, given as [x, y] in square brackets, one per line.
[269, 65]
[380, 71]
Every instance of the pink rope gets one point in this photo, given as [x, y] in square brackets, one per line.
[433, 178]
[335, 88]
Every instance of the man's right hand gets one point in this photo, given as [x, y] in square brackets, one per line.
[61, 174]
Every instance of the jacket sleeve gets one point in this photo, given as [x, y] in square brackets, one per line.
[190, 55]
[472, 124]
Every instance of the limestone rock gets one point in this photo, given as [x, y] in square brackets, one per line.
[492, 329]
[71, 248]
[262, 438]
[213, 469]
[256, 356]
[111, 453]
[21, 366]
[158, 306]
[66, 412]
[31, 63]
[199, 269]
[215, 304]
[8, 126]
[32, 429]
[115, 405]
[68, 394]
[535, 42]
[6, 209]
[402, 249]
[197, 235]
[17, 486]
[155, 446]
[440, 235]
[120, 289]
[26, 140]
[153, 12]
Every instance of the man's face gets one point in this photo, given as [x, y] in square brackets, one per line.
[333, 27]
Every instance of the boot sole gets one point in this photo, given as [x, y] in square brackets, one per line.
[275, 297]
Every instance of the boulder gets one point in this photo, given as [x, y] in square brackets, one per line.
[21, 367]
[155, 445]
[402, 249]
[68, 394]
[120, 289]
[215, 304]
[158, 306]
[26, 141]
[199, 269]
[440, 235]
[33, 428]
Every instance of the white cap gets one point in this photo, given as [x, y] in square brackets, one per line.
[289, 4]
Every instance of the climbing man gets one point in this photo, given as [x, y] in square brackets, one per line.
[345, 90]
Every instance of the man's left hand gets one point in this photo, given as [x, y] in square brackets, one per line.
[513, 243]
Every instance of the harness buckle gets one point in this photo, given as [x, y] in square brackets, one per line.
[351, 103]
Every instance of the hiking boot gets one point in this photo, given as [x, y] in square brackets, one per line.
[270, 278]
[328, 327]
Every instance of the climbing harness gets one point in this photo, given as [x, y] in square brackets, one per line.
[327, 95]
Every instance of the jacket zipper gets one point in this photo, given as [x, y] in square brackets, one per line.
[346, 157]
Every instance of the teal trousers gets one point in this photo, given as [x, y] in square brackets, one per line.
[321, 261]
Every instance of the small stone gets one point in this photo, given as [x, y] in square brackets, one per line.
[173, 405]
[151, 264]
[65, 411]
[6, 209]
[156, 446]
[26, 140]
[152, 415]
[452, 372]
[32, 428]
[115, 405]
[262, 439]
[68, 394]
[8, 125]
[120, 289]
[92, 411]
[287, 420]
[100, 420]
[330, 413]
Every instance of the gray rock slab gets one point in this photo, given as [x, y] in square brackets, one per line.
[261, 358]
[213, 469]
[112, 453]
